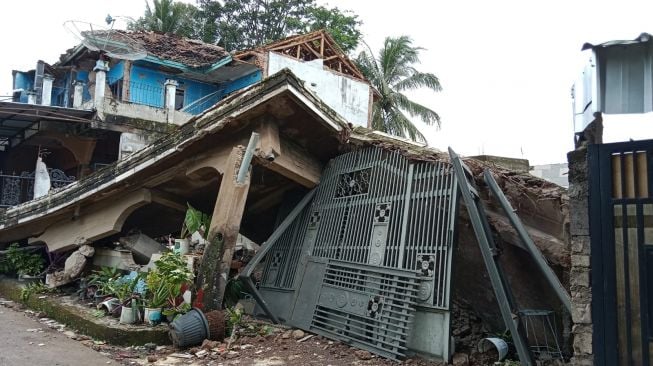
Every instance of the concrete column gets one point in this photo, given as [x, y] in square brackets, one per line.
[223, 233]
[31, 97]
[46, 91]
[171, 92]
[78, 95]
[101, 68]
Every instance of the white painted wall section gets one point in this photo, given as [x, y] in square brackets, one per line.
[348, 97]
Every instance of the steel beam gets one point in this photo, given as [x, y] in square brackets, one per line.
[488, 251]
[528, 242]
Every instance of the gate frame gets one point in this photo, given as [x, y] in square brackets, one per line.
[602, 251]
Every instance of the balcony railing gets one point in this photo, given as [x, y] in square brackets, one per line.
[16, 189]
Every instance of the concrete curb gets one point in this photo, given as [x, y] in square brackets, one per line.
[84, 323]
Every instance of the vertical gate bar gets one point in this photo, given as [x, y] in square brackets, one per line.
[439, 260]
[404, 224]
[624, 225]
[444, 233]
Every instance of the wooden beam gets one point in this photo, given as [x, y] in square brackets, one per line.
[295, 163]
[223, 234]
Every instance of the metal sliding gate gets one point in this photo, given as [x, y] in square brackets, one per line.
[621, 229]
[368, 261]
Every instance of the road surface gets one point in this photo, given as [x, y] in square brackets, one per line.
[26, 342]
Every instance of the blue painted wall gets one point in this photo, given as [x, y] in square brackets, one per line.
[242, 82]
[25, 81]
[116, 72]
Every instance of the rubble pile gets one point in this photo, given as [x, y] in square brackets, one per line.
[189, 52]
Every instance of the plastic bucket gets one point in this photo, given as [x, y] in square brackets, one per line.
[189, 329]
[487, 344]
[152, 315]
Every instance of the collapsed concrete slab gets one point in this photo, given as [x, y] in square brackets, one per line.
[142, 247]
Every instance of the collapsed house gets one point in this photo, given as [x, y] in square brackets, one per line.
[377, 247]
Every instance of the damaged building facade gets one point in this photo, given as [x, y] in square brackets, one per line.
[363, 235]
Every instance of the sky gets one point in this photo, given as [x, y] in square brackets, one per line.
[506, 67]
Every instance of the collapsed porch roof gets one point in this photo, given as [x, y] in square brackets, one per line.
[18, 120]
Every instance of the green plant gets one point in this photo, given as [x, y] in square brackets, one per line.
[125, 287]
[101, 278]
[23, 263]
[234, 319]
[165, 282]
[195, 220]
[233, 292]
[35, 288]
[158, 289]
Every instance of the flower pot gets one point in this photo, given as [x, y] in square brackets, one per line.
[99, 297]
[217, 325]
[152, 316]
[182, 246]
[29, 279]
[189, 329]
[128, 315]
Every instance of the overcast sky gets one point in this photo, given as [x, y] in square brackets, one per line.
[507, 67]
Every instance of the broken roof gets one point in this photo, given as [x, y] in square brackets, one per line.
[190, 52]
[310, 46]
[642, 38]
[164, 46]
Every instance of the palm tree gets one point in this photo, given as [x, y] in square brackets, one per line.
[392, 73]
[166, 16]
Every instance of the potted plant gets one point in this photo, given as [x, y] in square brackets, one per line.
[158, 291]
[28, 266]
[195, 220]
[174, 273]
[100, 279]
[128, 293]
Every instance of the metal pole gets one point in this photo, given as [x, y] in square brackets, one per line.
[247, 158]
[526, 239]
[486, 244]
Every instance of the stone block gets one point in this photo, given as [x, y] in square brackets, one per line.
[74, 264]
[580, 244]
[582, 343]
[578, 217]
[579, 277]
[87, 250]
[579, 260]
[581, 313]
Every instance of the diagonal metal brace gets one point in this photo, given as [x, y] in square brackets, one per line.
[246, 275]
[528, 241]
[486, 243]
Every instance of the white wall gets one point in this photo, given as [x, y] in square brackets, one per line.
[349, 97]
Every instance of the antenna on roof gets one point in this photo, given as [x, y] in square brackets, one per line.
[107, 41]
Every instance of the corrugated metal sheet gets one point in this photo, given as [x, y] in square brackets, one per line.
[625, 75]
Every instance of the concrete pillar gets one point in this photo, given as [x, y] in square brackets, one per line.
[46, 91]
[171, 92]
[31, 97]
[78, 95]
[223, 233]
[101, 68]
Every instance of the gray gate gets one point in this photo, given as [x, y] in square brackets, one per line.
[369, 260]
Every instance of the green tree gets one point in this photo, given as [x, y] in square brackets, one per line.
[342, 25]
[242, 24]
[392, 73]
[168, 16]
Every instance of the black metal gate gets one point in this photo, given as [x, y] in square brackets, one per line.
[621, 230]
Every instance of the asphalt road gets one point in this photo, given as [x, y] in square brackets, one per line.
[26, 342]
